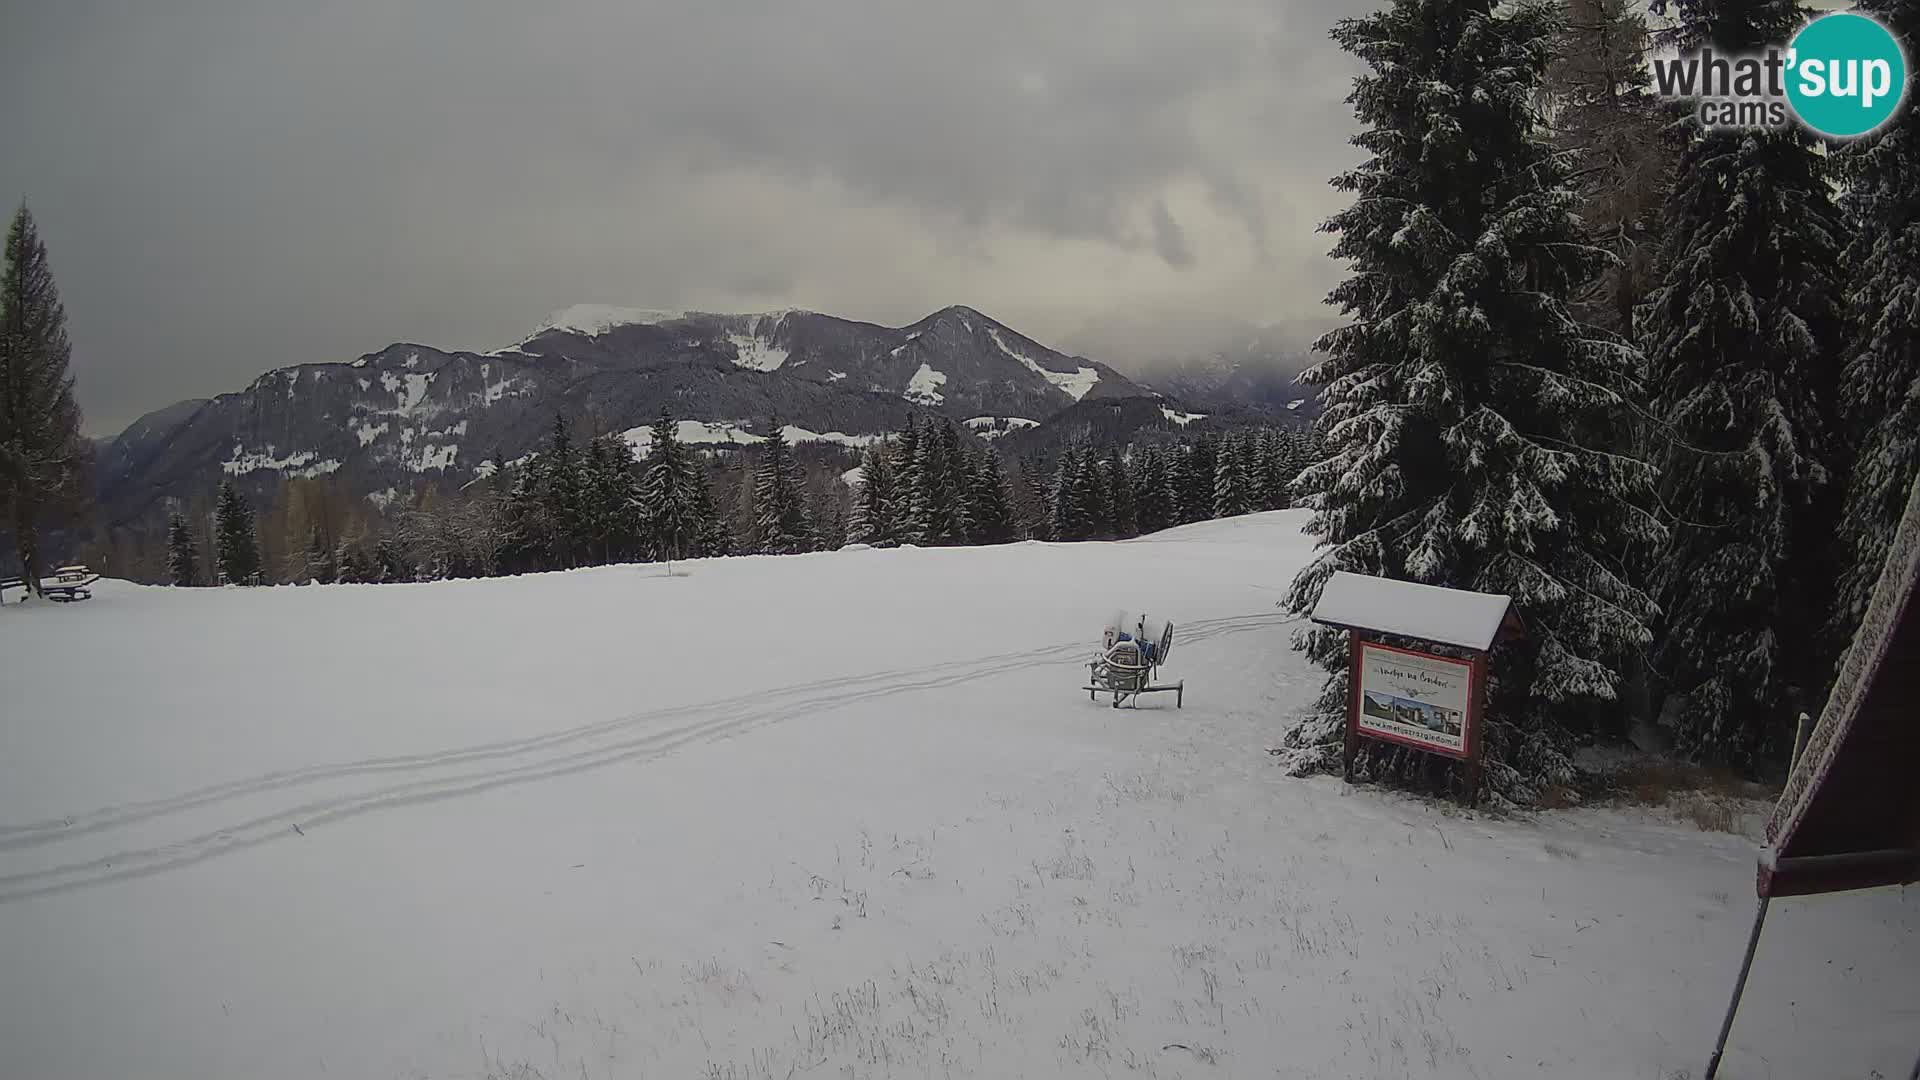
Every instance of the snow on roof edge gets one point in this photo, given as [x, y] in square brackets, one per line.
[1468, 620]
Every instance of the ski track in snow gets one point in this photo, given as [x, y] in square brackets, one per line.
[699, 723]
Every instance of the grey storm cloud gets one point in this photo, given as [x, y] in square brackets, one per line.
[1169, 239]
[231, 186]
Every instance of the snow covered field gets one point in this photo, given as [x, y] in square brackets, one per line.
[827, 815]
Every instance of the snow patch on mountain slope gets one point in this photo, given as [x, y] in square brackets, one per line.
[1295, 404]
[383, 498]
[300, 463]
[366, 432]
[434, 457]
[1181, 418]
[900, 348]
[755, 353]
[596, 319]
[925, 386]
[1075, 384]
[411, 389]
[855, 476]
[993, 427]
[494, 391]
[727, 432]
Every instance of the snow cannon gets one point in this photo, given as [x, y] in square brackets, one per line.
[1132, 648]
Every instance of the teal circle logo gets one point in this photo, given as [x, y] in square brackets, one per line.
[1846, 74]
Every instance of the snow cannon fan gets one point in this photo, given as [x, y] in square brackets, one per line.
[1131, 652]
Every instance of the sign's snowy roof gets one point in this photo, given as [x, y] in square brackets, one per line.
[1470, 620]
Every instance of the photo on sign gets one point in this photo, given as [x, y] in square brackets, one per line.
[1429, 716]
[1415, 698]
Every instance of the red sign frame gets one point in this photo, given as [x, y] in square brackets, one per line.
[1476, 707]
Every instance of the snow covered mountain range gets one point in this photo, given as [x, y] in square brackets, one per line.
[383, 424]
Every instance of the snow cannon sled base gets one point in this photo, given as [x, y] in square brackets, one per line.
[1131, 653]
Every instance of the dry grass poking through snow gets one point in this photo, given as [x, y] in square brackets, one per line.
[1713, 800]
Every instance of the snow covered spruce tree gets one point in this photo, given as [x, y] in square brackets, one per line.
[715, 537]
[183, 555]
[669, 498]
[781, 525]
[991, 502]
[1462, 402]
[949, 485]
[1030, 500]
[1067, 511]
[1607, 118]
[44, 461]
[610, 501]
[1126, 513]
[1196, 471]
[875, 501]
[1741, 331]
[1880, 384]
[1153, 499]
[238, 554]
[1232, 481]
[912, 502]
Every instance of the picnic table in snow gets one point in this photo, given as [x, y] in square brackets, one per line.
[67, 584]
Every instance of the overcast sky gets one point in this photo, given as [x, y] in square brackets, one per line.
[228, 186]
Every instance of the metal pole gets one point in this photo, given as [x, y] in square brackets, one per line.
[1739, 987]
[1801, 730]
[1916, 1069]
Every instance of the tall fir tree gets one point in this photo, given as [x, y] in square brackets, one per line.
[670, 511]
[1291, 460]
[1742, 338]
[183, 553]
[875, 497]
[1126, 520]
[994, 521]
[951, 489]
[913, 504]
[1232, 482]
[1606, 117]
[1153, 494]
[1197, 477]
[44, 461]
[621, 495]
[781, 524]
[1263, 468]
[238, 549]
[602, 509]
[1464, 408]
[1031, 516]
[558, 487]
[829, 513]
[1090, 495]
[1880, 384]
[1066, 507]
[926, 518]
[715, 537]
